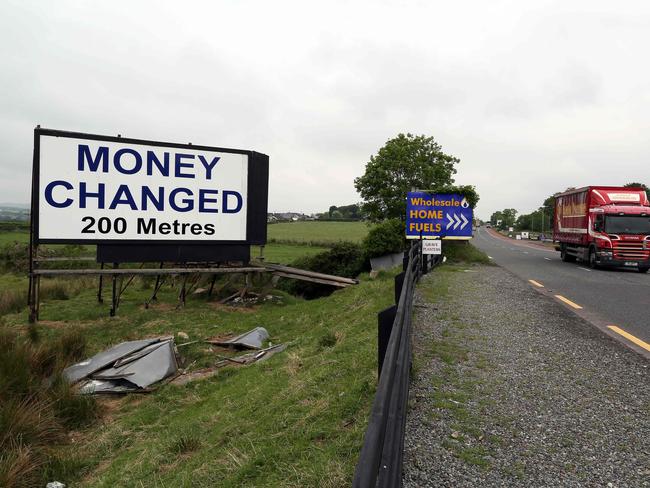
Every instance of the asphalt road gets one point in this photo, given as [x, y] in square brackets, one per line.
[608, 298]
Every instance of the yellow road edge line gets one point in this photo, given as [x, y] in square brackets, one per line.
[568, 302]
[536, 283]
[630, 337]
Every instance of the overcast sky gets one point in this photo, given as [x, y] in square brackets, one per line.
[533, 97]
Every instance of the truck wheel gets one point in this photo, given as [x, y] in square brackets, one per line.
[564, 256]
[643, 269]
[592, 259]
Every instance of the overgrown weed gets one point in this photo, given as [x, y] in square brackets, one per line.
[36, 404]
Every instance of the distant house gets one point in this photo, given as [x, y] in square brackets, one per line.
[286, 217]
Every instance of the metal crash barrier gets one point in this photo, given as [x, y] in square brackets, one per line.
[380, 461]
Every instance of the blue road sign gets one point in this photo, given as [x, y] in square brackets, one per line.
[437, 215]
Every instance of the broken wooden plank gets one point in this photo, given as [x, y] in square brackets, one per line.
[312, 274]
[311, 279]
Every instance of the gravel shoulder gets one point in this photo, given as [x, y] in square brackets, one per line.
[511, 389]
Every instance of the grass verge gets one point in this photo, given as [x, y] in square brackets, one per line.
[297, 419]
[464, 252]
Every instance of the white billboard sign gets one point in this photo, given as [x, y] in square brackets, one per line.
[430, 246]
[108, 190]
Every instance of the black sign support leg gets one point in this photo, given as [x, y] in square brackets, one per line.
[214, 278]
[37, 297]
[157, 287]
[181, 295]
[32, 299]
[114, 297]
[100, 299]
[33, 246]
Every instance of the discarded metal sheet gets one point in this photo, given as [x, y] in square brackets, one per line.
[99, 361]
[126, 367]
[253, 339]
[243, 360]
[147, 369]
[267, 353]
[90, 387]
[137, 355]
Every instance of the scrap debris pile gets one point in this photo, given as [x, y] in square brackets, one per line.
[136, 365]
[127, 367]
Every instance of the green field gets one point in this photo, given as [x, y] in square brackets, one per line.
[287, 241]
[285, 253]
[13, 236]
[317, 232]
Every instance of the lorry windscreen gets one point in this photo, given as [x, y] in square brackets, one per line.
[627, 224]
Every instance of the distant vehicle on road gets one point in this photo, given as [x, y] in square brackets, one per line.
[604, 226]
[489, 226]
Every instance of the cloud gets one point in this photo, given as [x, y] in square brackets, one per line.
[531, 97]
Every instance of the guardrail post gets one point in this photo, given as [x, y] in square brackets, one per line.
[385, 321]
[399, 283]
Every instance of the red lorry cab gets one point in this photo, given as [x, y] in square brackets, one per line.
[604, 226]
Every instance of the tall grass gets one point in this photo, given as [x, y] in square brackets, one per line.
[14, 299]
[37, 404]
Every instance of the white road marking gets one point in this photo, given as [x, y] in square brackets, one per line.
[490, 257]
[525, 252]
[548, 259]
[586, 269]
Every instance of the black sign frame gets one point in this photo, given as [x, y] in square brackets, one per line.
[257, 193]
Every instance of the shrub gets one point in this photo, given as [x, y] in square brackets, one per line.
[343, 259]
[385, 238]
[15, 256]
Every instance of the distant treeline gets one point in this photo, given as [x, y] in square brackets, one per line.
[346, 212]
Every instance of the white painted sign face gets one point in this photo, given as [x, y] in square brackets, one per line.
[431, 246]
[95, 190]
[624, 197]
[524, 235]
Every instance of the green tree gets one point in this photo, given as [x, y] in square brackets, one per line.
[509, 217]
[496, 216]
[403, 163]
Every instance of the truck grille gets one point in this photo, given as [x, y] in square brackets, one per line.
[630, 251]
